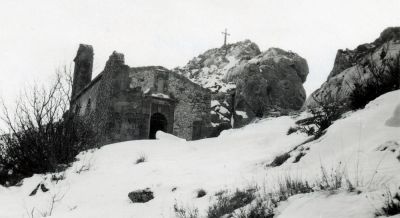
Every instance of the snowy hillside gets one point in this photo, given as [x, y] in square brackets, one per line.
[366, 144]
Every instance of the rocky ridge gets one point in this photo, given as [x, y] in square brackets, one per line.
[355, 65]
[250, 82]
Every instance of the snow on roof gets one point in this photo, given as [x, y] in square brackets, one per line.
[160, 95]
[242, 114]
[214, 103]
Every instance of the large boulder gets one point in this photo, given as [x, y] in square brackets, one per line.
[272, 82]
[247, 83]
[356, 66]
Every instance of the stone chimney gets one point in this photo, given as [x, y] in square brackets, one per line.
[83, 69]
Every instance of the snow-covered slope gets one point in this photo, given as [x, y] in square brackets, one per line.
[366, 143]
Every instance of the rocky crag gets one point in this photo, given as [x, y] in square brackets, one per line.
[247, 83]
[354, 66]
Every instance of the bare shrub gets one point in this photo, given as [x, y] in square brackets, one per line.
[55, 177]
[391, 205]
[54, 198]
[42, 134]
[298, 157]
[289, 186]
[292, 130]
[185, 212]
[84, 165]
[334, 179]
[279, 160]
[227, 203]
[328, 109]
[142, 158]
[30, 213]
[256, 204]
[264, 204]
[260, 209]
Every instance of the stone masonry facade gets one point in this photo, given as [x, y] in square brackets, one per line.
[128, 103]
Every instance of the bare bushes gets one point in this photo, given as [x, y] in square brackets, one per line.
[185, 212]
[227, 203]
[259, 209]
[256, 203]
[279, 160]
[141, 159]
[42, 135]
[265, 203]
[48, 211]
[327, 109]
[336, 178]
[253, 202]
[391, 205]
[289, 186]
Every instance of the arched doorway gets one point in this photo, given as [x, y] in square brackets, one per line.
[157, 122]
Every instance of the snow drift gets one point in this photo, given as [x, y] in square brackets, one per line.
[365, 142]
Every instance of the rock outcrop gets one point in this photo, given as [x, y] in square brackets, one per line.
[248, 82]
[354, 66]
[141, 196]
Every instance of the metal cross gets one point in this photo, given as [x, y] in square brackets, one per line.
[225, 35]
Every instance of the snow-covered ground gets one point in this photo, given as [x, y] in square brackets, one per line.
[365, 143]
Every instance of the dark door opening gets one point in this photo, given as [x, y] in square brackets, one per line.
[157, 122]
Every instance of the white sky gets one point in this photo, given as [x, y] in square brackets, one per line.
[38, 36]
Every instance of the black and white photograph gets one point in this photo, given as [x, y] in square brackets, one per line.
[199, 108]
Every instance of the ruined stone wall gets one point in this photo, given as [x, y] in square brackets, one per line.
[130, 116]
[142, 77]
[120, 102]
[110, 85]
[85, 103]
[123, 107]
[149, 80]
[192, 112]
[189, 101]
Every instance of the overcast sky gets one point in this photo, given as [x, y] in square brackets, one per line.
[38, 36]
